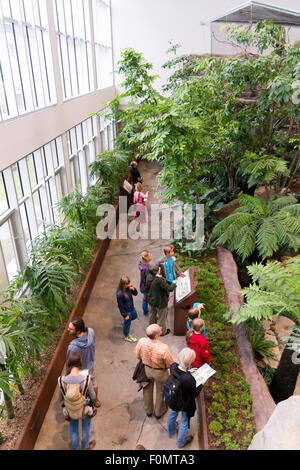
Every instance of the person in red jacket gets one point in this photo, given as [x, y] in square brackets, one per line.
[196, 341]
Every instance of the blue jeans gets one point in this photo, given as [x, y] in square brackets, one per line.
[183, 426]
[74, 436]
[145, 307]
[127, 323]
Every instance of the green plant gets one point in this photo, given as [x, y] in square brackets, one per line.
[274, 290]
[261, 226]
[233, 400]
[216, 409]
[238, 426]
[215, 427]
[230, 444]
[230, 423]
[260, 345]
[268, 373]
[246, 398]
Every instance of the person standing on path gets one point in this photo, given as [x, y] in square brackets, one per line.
[157, 290]
[157, 358]
[189, 393]
[135, 174]
[125, 291]
[144, 265]
[197, 342]
[74, 364]
[169, 268]
[85, 344]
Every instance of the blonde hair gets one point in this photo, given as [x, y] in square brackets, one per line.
[167, 249]
[144, 256]
[197, 325]
[138, 187]
[185, 357]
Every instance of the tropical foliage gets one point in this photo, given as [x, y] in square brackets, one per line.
[260, 225]
[274, 290]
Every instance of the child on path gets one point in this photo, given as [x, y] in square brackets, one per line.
[125, 292]
[195, 312]
[144, 265]
[196, 341]
[169, 268]
[140, 199]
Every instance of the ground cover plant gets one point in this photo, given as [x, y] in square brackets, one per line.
[230, 420]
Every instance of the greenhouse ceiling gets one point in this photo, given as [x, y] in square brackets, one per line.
[258, 11]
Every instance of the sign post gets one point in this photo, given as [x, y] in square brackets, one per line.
[185, 297]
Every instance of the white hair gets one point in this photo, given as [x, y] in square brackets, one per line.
[185, 357]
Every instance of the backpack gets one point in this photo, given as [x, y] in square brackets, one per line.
[74, 399]
[172, 393]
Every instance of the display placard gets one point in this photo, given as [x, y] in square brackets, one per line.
[127, 186]
[183, 287]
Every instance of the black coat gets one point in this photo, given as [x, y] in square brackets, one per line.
[189, 389]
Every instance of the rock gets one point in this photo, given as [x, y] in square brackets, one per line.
[266, 324]
[229, 208]
[282, 431]
[261, 364]
[282, 326]
[275, 361]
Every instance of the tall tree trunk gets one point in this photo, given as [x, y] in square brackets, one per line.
[285, 377]
[293, 163]
[230, 178]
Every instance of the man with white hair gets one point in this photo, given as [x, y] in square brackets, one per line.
[157, 358]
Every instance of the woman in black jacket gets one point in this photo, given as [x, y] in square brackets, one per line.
[189, 393]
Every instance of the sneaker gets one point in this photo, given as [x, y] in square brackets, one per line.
[130, 338]
[94, 414]
[167, 332]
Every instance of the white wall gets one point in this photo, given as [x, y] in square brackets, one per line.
[148, 25]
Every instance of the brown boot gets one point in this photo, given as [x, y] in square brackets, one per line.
[92, 445]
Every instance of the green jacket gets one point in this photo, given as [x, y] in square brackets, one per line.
[157, 290]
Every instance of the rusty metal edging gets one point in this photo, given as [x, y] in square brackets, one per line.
[203, 435]
[263, 404]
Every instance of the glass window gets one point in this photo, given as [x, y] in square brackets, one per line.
[38, 210]
[103, 43]
[74, 45]
[32, 171]
[25, 224]
[3, 195]
[26, 69]
[17, 180]
[8, 250]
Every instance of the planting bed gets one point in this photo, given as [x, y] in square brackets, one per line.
[230, 421]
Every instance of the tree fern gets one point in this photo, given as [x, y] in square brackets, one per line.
[274, 291]
[274, 225]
